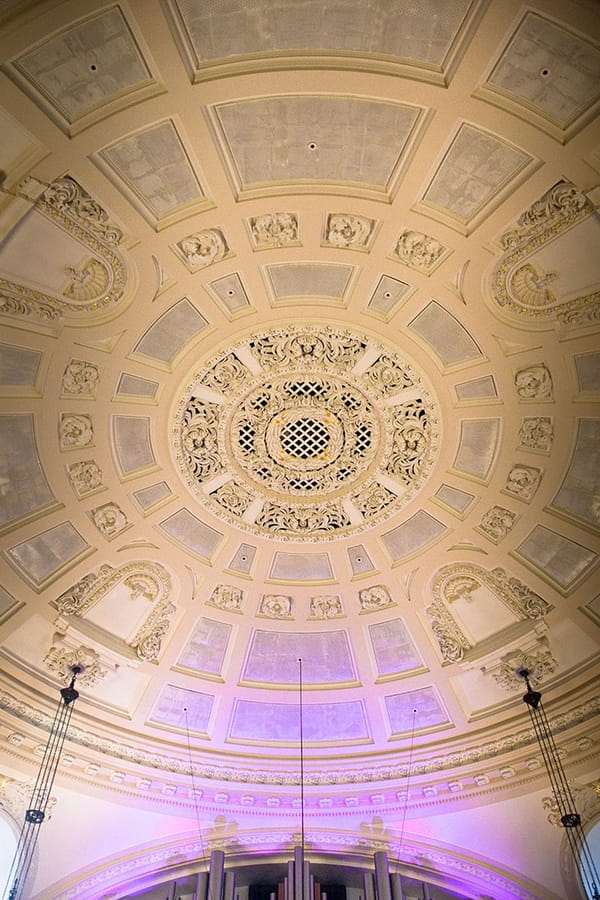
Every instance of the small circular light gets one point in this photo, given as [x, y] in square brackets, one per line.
[312, 145]
[545, 72]
[231, 292]
[93, 67]
[387, 295]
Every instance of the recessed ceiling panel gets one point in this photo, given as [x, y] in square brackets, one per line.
[579, 494]
[273, 658]
[43, 556]
[24, 487]
[168, 335]
[478, 447]
[154, 168]
[183, 709]
[83, 73]
[415, 534]
[204, 651]
[132, 443]
[416, 712]
[556, 558]
[315, 140]
[394, 648]
[192, 533]
[272, 723]
[547, 70]
[449, 339]
[328, 281]
[476, 169]
[420, 34]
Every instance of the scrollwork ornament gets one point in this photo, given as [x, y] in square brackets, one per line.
[80, 378]
[517, 285]
[539, 663]
[228, 597]
[348, 232]
[274, 230]
[85, 476]
[374, 598]
[534, 383]
[537, 433]
[148, 641]
[419, 251]
[67, 196]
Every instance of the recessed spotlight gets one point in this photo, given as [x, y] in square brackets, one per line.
[387, 295]
[231, 292]
[312, 145]
[545, 72]
[93, 67]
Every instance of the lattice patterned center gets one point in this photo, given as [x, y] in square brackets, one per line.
[305, 438]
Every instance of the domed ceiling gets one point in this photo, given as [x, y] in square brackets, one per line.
[300, 373]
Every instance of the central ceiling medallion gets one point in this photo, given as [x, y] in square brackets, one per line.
[305, 433]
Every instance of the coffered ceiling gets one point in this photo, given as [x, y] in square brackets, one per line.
[300, 362]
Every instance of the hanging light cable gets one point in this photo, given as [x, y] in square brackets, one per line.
[38, 804]
[569, 817]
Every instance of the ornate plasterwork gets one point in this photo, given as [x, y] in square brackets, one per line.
[497, 523]
[61, 660]
[419, 251]
[270, 230]
[80, 378]
[75, 431]
[534, 383]
[203, 248]
[374, 598]
[326, 606]
[94, 285]
[85, 476]
[226, 596]
[310, 435]
[537, 433]
[348, 232]
[109, 519]
[539, 663]
[460, 582]
[145, 580]
[522, 482]
[519, 285]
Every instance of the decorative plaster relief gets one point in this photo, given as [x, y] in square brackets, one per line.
[116, 601]
[276, 606]
[95, 283]
[537, 433]
[85, 477]
[528, 280]
[496, 523]
[538, 661]
[75, 431]
[300, 425]
[534, 383]
[109, 519]
[326, 606]
[60, 660]
[203, 248]
[419, 251]
[226, 596]
[80, 378]
[374, 598]
[348, 232]
[274, 230]
[472, 604]
[522, 482]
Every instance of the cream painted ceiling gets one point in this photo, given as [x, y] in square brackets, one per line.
[300, 360]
